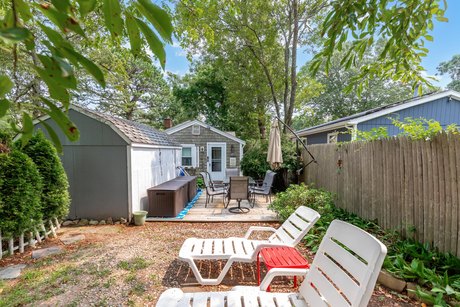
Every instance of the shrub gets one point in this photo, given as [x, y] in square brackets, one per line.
[55, 197]
[20, 191]
[301, 195]
[406, 258]
[254, 162]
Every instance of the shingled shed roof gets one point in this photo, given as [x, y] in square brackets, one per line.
[135, 132]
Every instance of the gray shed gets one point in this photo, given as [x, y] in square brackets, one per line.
[113, 163]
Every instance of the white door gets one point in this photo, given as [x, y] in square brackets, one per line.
[216, 159]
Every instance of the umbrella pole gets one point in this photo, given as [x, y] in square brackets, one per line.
[303, 144]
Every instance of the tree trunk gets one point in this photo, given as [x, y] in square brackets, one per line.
[295, 38]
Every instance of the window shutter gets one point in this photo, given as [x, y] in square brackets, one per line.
[193, 148]
[197, 157]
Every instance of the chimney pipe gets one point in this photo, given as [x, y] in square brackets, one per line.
[167, 123]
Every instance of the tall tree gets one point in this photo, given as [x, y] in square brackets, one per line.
[451, 68]
[404, 25]
[334, 101]
[135, 88]
[269, 30]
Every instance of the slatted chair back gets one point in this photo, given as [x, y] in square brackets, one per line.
[206, 180]
[239, 187]
[345, 268]
[292, 231]
[268, 182]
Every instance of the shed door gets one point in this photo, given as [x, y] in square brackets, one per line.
[216, 159]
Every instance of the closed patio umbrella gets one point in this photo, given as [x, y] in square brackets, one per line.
[274, 155]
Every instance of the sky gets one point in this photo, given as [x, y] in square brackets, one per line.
[446, 43]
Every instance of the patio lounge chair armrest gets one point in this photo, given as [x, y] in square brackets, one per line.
[257, 228]
[280, 272]
[170, 297]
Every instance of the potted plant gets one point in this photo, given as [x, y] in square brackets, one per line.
[139, 217]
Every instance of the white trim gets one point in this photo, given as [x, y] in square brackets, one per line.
[130, 181]
[189, 123]
[241, 157]
[336, 134]
[324, 128]
[354, 134]
[224, 157]
[355, 121]
[140, 145]
[192, 153]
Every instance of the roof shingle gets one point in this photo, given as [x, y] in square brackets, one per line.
[134, 131]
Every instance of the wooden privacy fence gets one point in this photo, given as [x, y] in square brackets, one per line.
[410, 186]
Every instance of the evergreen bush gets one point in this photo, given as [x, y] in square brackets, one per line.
[55, 198]
[20, 190]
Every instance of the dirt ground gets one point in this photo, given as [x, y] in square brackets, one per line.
[118, 265]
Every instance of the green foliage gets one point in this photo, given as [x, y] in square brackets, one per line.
[55, 198]
[20, 192]
[371, 135]
[254, 162]
[200, 182]
[451, 68]
[406, 258]
[43, 42]
[418, 128]
[332, 101]
[366, 21]
[301, 195]
[415, 129]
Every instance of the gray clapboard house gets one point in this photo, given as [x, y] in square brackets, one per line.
[443, 107]
[206, 148]
[113, 163]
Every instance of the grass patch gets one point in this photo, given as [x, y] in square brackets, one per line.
[134, 264]
[97, 270]
[38, 285]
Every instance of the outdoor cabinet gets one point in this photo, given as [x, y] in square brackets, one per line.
[191, 182]
[168, 199]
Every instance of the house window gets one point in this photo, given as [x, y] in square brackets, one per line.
[332, 137]
[196, 130]
[189, 155]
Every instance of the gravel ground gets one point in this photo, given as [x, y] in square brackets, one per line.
[118, 265]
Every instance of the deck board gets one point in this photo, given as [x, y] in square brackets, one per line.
[215, 212]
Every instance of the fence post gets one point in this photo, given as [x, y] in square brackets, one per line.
[58, 225]
[21, 243]
[37, 234]
[42, 226]
[53, 232]
[1, 249]
[31, 239]
[11, 246]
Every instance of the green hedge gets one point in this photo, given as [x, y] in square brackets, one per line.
[55, 198]
[437, 274]
[20, 190]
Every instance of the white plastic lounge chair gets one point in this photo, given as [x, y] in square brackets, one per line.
[243, 249]
[343, 273]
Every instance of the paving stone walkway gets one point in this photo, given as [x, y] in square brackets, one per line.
[12, 271]
[45, 252]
